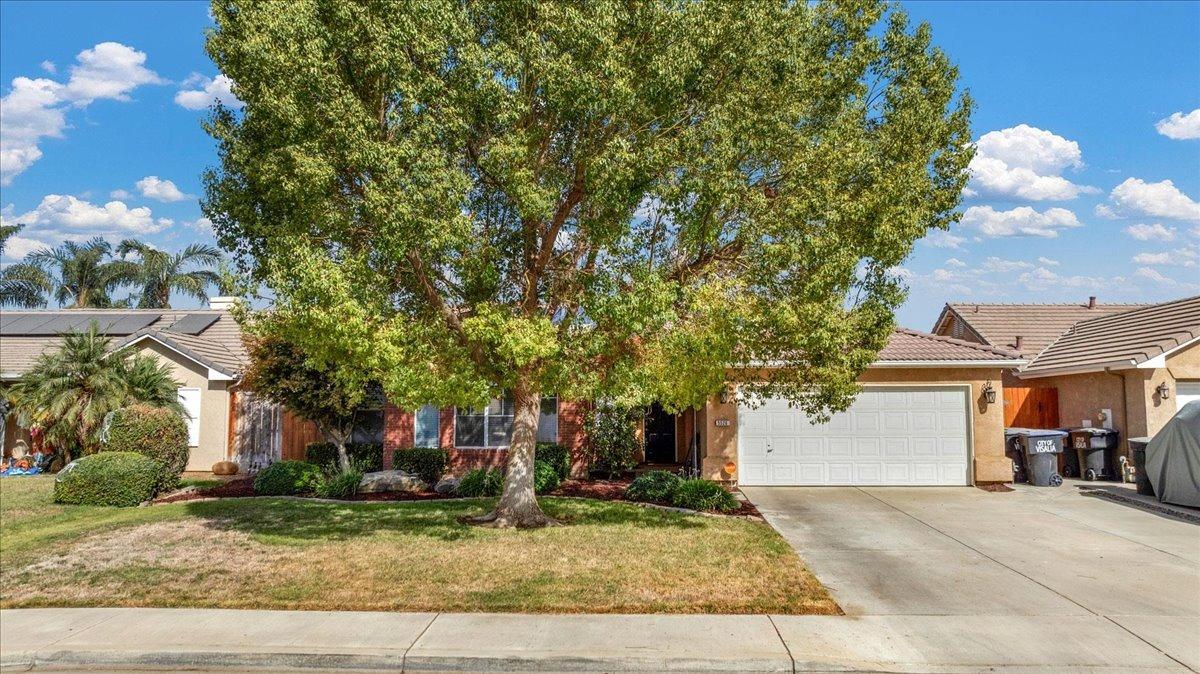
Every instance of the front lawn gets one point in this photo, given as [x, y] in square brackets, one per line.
[406, 556]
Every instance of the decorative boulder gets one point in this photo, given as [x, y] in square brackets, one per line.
[224, 468]
[446, 486]
[390, 480]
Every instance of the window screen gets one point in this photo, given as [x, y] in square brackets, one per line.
[425, 427]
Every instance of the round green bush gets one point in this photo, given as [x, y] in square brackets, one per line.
[545, 477]
[154, 432]
[285, 478]
[428, 463]
[703, 495]
[558, 456]
[657, 486]
[108, 479]
[481, 482]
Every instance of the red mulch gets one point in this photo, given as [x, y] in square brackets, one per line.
[239, 487]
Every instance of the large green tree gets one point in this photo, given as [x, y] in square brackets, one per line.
[21, 285]
[637, 200]
[80, 275]
[158, 273]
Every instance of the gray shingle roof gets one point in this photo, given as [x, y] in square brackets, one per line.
[1037, 324]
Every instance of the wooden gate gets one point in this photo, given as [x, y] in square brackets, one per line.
[1030, 407]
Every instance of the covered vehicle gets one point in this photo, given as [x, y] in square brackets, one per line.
[1173, 458]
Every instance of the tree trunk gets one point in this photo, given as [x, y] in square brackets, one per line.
[518, 506]
[338, 437]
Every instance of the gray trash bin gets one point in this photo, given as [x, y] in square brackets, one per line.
[1039, 450]
[1097, 451]
[1137, 447]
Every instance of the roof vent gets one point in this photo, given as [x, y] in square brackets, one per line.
[1020, 342]
[222, 303]
[1092, 302]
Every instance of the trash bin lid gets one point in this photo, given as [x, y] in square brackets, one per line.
[1092, 430]
[1035, 432]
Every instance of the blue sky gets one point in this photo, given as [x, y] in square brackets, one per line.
[1087, 180]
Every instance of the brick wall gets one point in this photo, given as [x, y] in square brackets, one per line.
[571, 417]
[397, 432]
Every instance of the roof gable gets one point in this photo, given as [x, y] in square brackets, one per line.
[1037, 325]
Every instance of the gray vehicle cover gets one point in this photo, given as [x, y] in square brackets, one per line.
[1173, 458]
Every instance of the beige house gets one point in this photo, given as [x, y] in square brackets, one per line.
[1126, 367]
[203, 348]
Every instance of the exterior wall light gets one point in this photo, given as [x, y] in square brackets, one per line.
[989, 393]
[730, 468]
[724, 396]
[1163, 391]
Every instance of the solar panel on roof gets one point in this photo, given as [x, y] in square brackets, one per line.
[193, 324]
[20, 324]
[46, 325]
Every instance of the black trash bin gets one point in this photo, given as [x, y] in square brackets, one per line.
[1039, 450]
[1137, 447]
[1097, 452]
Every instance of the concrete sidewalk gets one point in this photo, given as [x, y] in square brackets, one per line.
[198, 639]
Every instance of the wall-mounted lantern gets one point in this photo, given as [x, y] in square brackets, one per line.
[730, 468]
[724, 396]
[1163, 391]
[989, 393]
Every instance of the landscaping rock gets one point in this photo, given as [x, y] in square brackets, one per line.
[390, 480]
[446, 486]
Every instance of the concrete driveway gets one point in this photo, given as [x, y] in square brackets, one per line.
[943, 576]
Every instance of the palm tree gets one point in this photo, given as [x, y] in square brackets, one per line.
[21, 285]
[69, 392]
[81, 274]
[159, 273]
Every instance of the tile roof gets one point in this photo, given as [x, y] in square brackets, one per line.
[1037, 324]
[907, 345]
[218, 344]
[1120, 340]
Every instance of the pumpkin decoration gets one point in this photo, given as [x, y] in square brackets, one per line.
[225, 468]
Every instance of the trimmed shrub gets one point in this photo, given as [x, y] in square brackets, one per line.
[341, 485]
[558, 456]
[700, 494]
[108, 479]
[657, 486]
[285, 478]
[153, 432]
[612, 439]
[545, 477]
[481, 482]
[365, 456]
[428, 463]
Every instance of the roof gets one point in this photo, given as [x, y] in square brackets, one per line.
[209, 337]
[1037, 324]
[1123, 340]
[912, 347]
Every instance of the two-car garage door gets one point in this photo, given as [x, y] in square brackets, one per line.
[889, 436]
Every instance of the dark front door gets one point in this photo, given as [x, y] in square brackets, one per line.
[660, 435]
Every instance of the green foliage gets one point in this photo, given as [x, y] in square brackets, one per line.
[286, 478]
[366, 456]
[158, 273]
[81, 274]
[108, 479]
[340, 484]
[155, 432]
[429, 463]
[558, 456]
[612, 439]
[21, 285]
[69, 392]
[545, 478]
[699, 494]
[481, 482]
[657, 486]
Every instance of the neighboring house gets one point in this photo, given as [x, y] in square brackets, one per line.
[1128, 367]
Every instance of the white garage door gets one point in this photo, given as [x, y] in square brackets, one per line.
[889, 436]
[1186, 392]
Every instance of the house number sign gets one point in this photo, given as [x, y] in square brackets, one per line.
[721, 423]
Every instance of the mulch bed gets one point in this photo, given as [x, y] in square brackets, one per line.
[601, 490]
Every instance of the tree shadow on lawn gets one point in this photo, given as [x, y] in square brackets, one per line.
[298, 520]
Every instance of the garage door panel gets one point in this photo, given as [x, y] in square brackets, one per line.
[889, 436]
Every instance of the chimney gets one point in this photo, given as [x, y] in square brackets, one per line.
[1020, 342]
[1092, 302]
[222, 303]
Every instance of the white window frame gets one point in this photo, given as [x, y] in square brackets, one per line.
[193, 423]
[487, 430]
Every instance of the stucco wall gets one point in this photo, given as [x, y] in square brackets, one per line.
[214, 405]
[719, 443]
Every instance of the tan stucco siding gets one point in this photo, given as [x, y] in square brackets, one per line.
[986, 424]
[214, 404]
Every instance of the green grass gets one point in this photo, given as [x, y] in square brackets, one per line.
[415, 556]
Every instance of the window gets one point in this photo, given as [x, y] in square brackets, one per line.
[368, 427]
[190, 399]
[425, 426]
[492, 426]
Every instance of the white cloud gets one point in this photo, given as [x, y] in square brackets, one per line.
[1021, 221]
[1048, 262]
[18, 247]
[1155, 232]
[205, 226]
[119, 194]
[1000, 265]
[1180, 126]
[1195, 231]
[1160, 200]
[49, 67]
[1180, 257]
[65, 215]
[207, 91]
[1027, 163]
[35, 109]
[1042, 279]
[153, 187]
[939, 238]
[955, 262]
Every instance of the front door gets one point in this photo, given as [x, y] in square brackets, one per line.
[660, 435]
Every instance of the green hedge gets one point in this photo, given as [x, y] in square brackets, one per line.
[108, 479]
[154, 432]
[339, 485]
[657, 486]
[364, 456]
[428, 463]
[545, 478]
[285, 478]
[557, 456]
[700, 494]
[481, 482]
